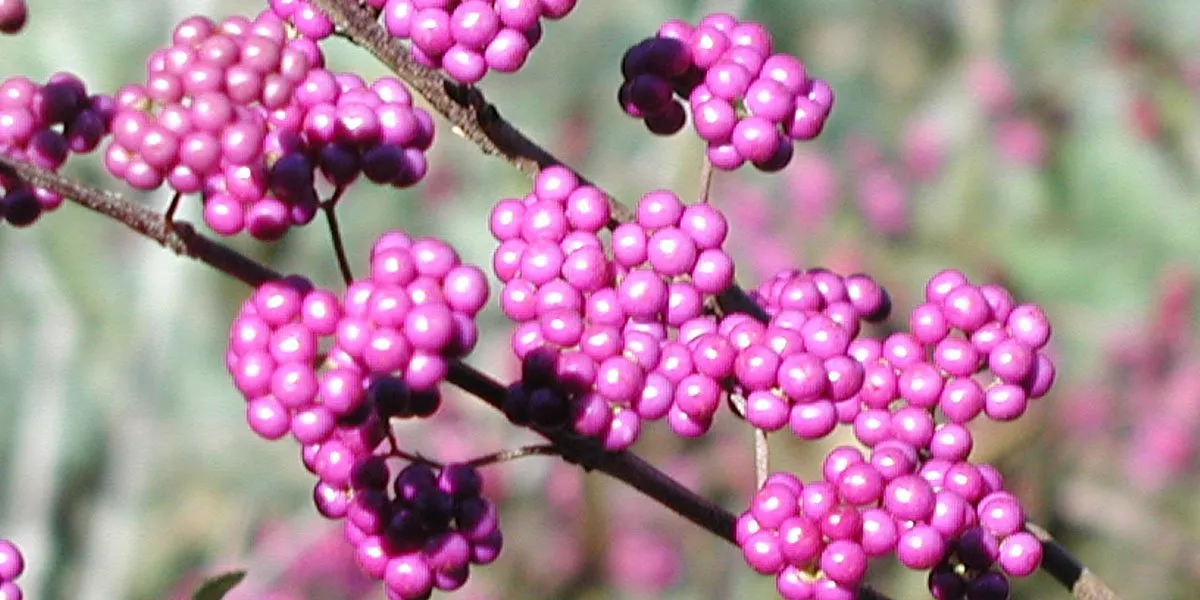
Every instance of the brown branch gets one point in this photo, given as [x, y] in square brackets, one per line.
[512, 454]
[179, 237]
[625, 466]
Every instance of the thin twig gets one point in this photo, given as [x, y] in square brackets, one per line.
[169, 216]
[706, 180]
[329, 207]
[762, 457]
[515, 453]
[179, 237]
[762, 452]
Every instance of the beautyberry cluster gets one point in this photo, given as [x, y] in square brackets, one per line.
[245, 115]
[747, 103]
[44, 124]
[387, 343]
[12, 564]
[13, 14]
[599, 309]
[797, 369]
[464, 38]
[913, 492]
[207, 102]
[414, 314]
[822, 534]
[274, 352]
[333, 371]
[424, 530]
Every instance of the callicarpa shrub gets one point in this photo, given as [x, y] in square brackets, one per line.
[626, 315]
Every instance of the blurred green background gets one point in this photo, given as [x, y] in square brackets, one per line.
[1051, 146]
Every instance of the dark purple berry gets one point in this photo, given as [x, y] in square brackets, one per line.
[989, 586]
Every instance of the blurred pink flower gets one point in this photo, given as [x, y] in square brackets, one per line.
[923, 149]
[883, 201]
[1021, 140]
[989, 80]
[643, 560]
[813, 187]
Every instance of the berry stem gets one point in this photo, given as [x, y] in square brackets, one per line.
[762, 457]
[329, 207]
[515, 453]
[169, 216]
[706, 180]
[762, 452]
[396, 452]
[394, 446]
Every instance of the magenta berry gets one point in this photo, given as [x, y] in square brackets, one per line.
[13, 14]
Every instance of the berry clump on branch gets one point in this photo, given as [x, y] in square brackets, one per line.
[595, 312]
[909, 489]
[333, 370]
[245, 114]
[464, 38]
[308, 360]
[748, 103]
[43, 124]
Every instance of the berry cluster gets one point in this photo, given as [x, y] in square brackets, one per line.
[970, 350]
[747, 103]
[798, 368]
[823, 533]
[601, 310]
[246, 116]
[423, 533]
[44, 124]
[333, 372]
[274, 349]
[415, 313]
[12, 564]
[468, 38]
[388, 342]
[464, 38]
[13, 14]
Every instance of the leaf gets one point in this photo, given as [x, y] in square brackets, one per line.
[216, 587]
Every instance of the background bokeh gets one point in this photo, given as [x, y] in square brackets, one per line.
[1051, 146]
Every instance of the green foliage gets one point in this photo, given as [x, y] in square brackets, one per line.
[215, 588]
